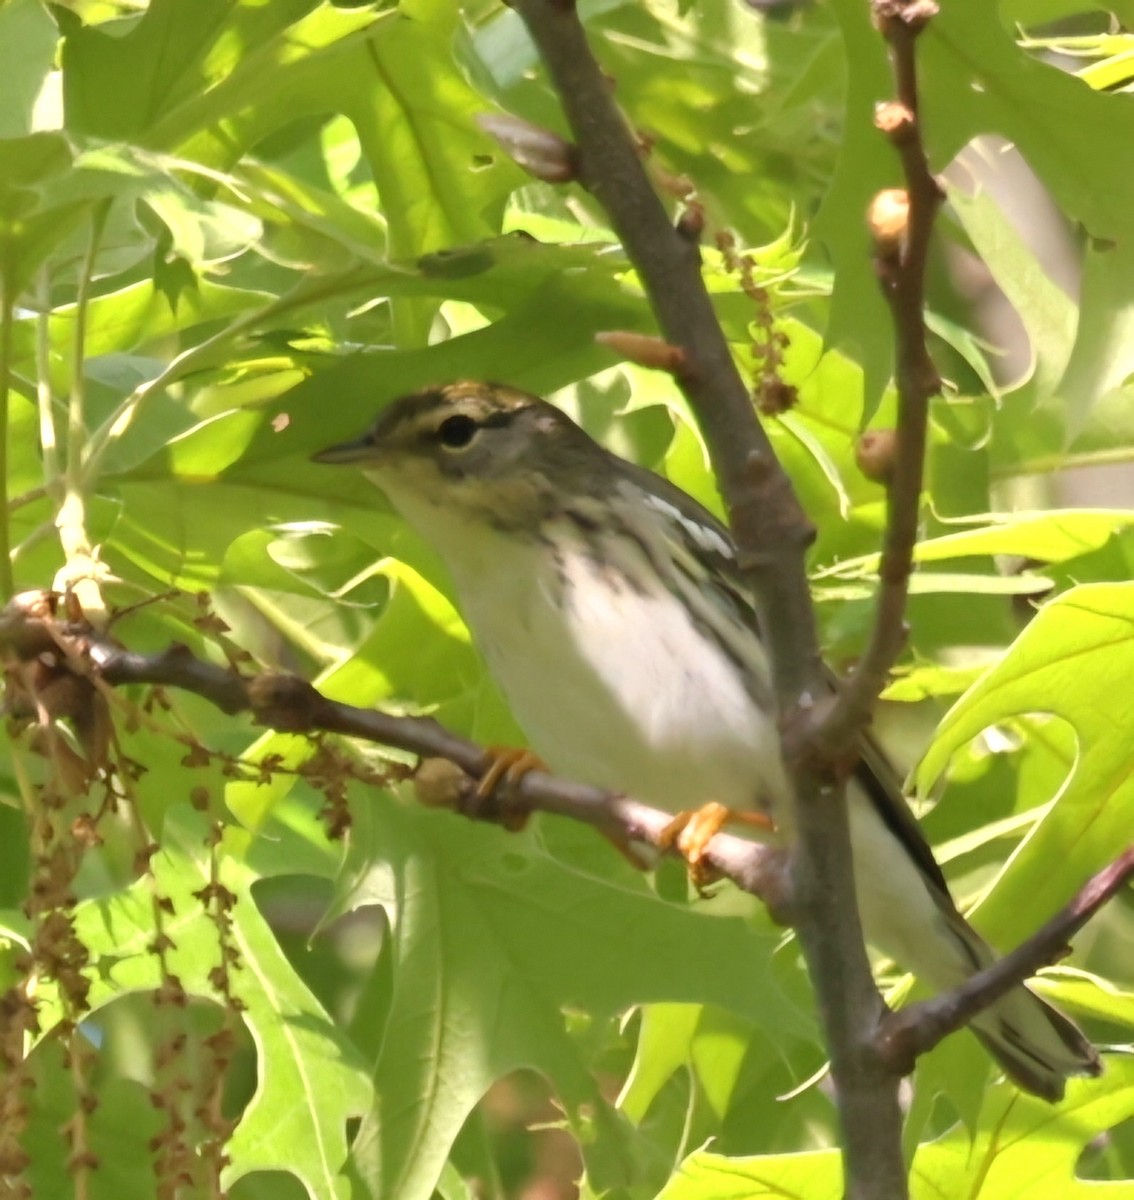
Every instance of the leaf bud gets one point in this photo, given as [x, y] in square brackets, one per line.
[645, 350]
[875, 452]
[539, 151]
[888, 219]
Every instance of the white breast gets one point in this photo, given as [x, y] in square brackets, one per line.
[614, 685]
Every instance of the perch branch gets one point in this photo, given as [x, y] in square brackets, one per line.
[30, 630]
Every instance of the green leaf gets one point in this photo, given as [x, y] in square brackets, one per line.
[28, 39]
[476, 995]
[118, 1129]
[1049, 315]
[1049, 537]
[1091, 995]
[816, 1174]
[390, 72]
[127, 84]
[1074, 652]
[976, 78]
[311, 1080]
[126, 319]
[924, 583]
[1103, 358]
[1025, 1148]
[30, 228]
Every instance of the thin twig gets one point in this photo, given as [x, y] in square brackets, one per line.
[80, 570]
[26, 498]
[905, 1034]
[45, 396]
[77, 401]
[900, 261]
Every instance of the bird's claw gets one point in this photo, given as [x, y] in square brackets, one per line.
[507, 765]
[691, 832]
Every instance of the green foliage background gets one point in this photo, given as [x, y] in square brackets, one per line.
[229, 232]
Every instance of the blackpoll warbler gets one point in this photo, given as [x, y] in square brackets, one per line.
[611, 612]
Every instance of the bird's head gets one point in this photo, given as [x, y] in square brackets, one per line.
[472, 452]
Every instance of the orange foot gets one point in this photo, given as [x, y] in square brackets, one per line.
[691, 833]
[509, 764]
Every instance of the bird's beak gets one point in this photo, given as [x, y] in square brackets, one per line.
[346, 452]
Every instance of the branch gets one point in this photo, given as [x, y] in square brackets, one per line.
[32, 630]
[772, 535]
[904, 1035]
[771, 531]
[901, 224]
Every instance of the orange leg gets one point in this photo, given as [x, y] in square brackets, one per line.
[509, 765]
[691, 832]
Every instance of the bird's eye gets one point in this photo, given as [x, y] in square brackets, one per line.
[457, 432]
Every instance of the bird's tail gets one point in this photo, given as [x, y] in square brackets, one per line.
[1037, 1046]
[907, 912]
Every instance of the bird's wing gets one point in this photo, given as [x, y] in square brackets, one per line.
[876, 775]
[707, 539]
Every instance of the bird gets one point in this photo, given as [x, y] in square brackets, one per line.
[609, 607]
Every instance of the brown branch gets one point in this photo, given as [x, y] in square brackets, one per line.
[772, 535]
[31, 629]
[770, 528]
[904, 1035]
[901, 249]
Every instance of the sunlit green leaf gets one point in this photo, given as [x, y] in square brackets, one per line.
[475, 995]
[1074, 652]
[1023, 1147]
